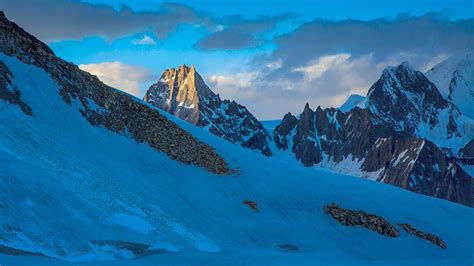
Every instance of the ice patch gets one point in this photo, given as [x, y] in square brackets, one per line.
[132, 222]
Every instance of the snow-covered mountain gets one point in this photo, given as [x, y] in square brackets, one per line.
[454, 77]
[183, 93]
[89, 174]
[404, 133]
[353, 101]
[405, 100]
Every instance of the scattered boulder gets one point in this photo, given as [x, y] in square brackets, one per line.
[361, 218]
[287, 247]
[427, 236]
[252, 205]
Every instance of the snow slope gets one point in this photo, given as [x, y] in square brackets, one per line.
[67, 185]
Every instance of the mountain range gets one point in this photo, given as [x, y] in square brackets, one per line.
[405, 132]
[91, 174]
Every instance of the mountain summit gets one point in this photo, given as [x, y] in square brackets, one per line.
[183, 93]
[454, 77]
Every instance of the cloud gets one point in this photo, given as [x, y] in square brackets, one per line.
[125, 77]
[241, 33]
[53, 20]
[324, 61]
[229, 85]
[419, 37]
[146, 40]
[326, 81]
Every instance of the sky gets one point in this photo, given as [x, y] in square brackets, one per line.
[271, 56]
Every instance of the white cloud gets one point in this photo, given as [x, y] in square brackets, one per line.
[233, 86]
[318, 67]
[127, 78]
[326, 80]
[275, 64]
[146, 40]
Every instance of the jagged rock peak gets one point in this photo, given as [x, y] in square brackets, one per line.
[183, 93]
[405, 76]
[307, 109]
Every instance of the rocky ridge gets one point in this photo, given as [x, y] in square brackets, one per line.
[351, 218]
[377, 224]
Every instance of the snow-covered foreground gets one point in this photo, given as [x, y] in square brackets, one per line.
[69, 187]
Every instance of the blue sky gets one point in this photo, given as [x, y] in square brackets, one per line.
[272, 56]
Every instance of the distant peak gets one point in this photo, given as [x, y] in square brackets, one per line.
[307, 108]
[405, 65]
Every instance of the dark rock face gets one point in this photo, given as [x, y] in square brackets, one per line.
[403, 98]
[183, 93]
[468, 150]
[305, 143]
[360, 218]
[283, 131]
[104, 106]
[11, 95]
[420, 166]
[427, 236]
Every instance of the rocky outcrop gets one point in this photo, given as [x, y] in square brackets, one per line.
[10, 94]
[352, 218]
[252, 205]
[183, 93]
[104, 106]
[377, 224]
[427, 236]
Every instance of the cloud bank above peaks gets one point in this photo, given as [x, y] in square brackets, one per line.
[324, 61]
[54, 20]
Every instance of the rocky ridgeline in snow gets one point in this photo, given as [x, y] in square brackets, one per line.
[104, 106]
[352, 218]
[389, 140]
[183, 93]
[377, 224]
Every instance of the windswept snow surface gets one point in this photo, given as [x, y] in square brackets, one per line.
[67, 184]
